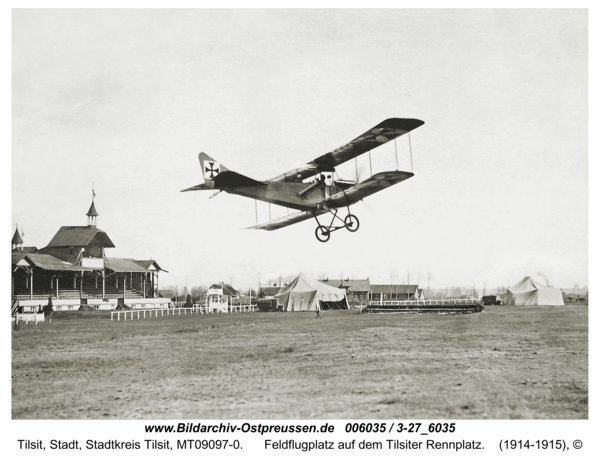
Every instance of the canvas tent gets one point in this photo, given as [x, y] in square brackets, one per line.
[305, 294]
[532, 292]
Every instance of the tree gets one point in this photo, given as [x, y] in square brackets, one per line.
[188, 301]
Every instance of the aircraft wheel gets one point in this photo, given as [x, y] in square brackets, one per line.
[351, 223]
[322, 234]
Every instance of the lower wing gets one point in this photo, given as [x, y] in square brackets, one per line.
[374, 184]
[288, 220]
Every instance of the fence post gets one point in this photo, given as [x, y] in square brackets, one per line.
[118, 316]
[138, 315]
[111, 316]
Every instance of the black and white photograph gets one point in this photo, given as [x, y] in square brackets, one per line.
[369, 219]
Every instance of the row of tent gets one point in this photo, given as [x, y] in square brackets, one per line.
[306, 294]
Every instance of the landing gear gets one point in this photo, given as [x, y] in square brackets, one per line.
[351, 222]
[323, 233]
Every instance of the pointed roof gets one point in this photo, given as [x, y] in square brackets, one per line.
[149, 264]
[17, 240]
[92, 211]
[80, 236]
[124, 265]
[527, 284]
[228, 290]
[47, 262]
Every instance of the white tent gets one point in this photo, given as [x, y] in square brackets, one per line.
[304, 294]
[531, 292]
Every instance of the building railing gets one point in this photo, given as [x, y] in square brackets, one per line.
[424, 302]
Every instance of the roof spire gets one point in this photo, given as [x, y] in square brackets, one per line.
[92, 214]
[17, 241]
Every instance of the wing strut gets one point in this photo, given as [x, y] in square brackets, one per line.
[396, 148]
[410, 149]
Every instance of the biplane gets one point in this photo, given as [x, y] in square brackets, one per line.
[311, 188]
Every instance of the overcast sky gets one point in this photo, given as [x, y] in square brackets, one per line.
[124, 100]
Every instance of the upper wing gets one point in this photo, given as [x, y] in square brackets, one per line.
[288, 220]
[387, 130]
[368, 187]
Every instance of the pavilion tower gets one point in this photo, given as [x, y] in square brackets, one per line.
[92, 214]
[17, 241]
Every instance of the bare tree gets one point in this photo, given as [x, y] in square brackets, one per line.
[407, 282]
[393, 275]
[429, 278]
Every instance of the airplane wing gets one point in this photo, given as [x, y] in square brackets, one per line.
[387, 130]
[368, 187]
[287, 220]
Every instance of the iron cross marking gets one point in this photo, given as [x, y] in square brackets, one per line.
[212, 169]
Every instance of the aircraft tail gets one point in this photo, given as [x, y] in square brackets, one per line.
[218, 177]
[211, 168]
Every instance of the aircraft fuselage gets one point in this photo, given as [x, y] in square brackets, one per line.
[289, 194]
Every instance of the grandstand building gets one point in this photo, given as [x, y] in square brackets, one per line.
[73, 270]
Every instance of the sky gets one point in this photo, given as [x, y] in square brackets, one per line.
[122, 101]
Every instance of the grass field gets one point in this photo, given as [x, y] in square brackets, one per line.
[506, 362]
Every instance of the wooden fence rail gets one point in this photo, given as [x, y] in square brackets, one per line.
[197, 309]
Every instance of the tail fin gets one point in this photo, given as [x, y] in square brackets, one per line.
[210, 170]
[217, 176]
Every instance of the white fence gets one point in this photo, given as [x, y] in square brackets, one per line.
[197, 309]
[36, 318]
[424, 302]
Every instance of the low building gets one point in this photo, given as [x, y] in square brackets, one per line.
[357, 290]
[268, 292]
[228, 290]
[394, 292]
